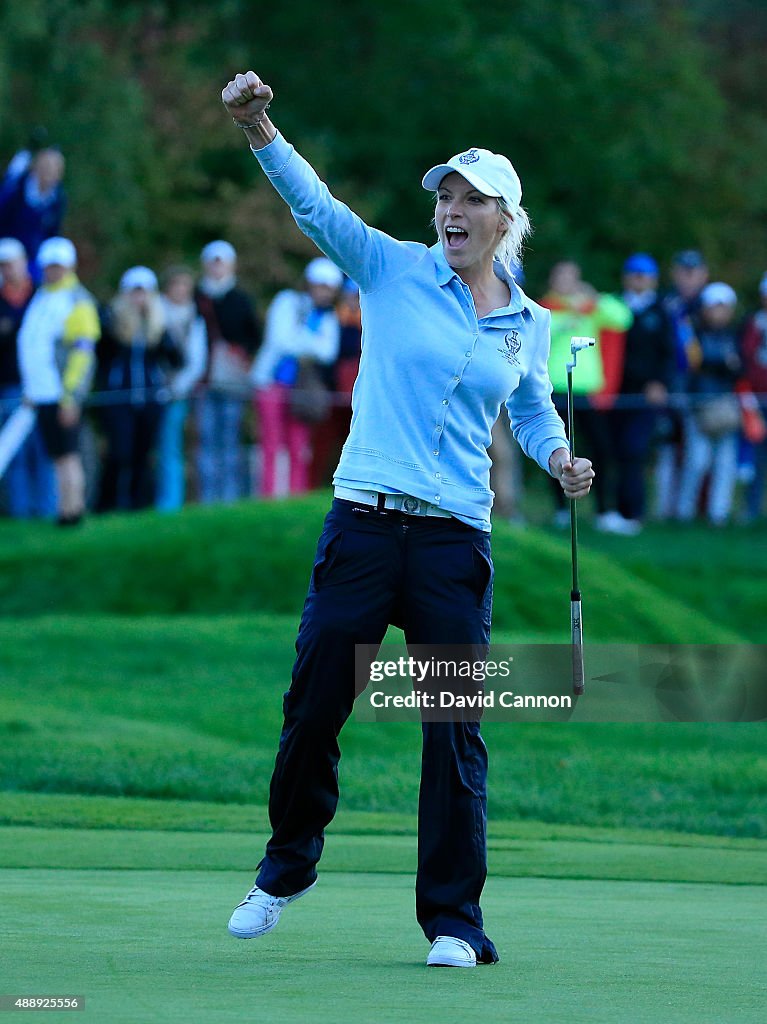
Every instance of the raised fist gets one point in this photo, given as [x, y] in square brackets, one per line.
[246, 97]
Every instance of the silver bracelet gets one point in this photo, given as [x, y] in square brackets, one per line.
[256, 123]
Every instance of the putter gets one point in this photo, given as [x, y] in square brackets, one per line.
[576, 621]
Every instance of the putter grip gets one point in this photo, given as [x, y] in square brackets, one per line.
[576, 634]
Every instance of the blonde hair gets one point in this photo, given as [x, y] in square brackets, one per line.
[518, 228]
[131, 326]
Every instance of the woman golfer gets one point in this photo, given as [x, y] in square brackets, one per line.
[447, 338]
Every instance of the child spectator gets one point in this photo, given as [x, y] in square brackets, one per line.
[56, 347]
[137, 356]
[754, 351]
[233, 337]
[301, 327]
[713, 420]
[187, 329]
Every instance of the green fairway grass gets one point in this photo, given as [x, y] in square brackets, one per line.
[142, 662]
[257, 556]
[515, 850]
[64, 810]
[190, 708]
[151, 946]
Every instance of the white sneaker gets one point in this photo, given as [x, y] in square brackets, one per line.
[449, 952]
[631, 527]
[259, 912]
[607, 522]
[614, 522]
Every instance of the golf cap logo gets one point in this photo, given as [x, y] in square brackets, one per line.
[513, 345]
[469, 157]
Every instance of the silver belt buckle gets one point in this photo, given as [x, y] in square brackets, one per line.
[412, 506]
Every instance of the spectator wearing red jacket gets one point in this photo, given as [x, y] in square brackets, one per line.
[754, 352]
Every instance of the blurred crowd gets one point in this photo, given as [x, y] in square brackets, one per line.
[178, 389]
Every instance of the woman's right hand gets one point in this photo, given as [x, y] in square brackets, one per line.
[246, 97]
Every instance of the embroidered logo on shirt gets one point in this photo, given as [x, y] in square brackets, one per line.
[513, 345]
[469, 157]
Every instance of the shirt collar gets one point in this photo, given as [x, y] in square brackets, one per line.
[518, 303]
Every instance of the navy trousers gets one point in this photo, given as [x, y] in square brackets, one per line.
[433, 578]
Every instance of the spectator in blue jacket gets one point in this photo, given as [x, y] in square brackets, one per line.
[689, 274]
[648, 371]
[32, 200]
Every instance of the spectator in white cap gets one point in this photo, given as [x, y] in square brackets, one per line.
[57, 342]
[233, 338]
[754, 351]
[137, 358]
[448, 337]
[293, 375]
[29, 481]
[713, 421]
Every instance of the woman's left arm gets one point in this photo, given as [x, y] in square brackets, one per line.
[537, 425]
[575, 475]
[368, 256]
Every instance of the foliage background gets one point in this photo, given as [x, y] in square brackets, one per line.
[635, 124]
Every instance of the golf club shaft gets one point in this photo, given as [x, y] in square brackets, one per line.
[576, 635]
[573, 507]
[576, 621]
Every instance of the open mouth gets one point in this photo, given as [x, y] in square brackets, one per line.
[455, 237]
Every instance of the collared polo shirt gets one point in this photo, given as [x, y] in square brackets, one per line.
[433, 375]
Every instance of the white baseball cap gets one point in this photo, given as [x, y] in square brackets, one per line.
[138, 277]
[218, 250]
[11, 249]
[58, 252]
[718, 294]
[323, 271]
[489, 173]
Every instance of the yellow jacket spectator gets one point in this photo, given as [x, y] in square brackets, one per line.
[56, 344]
[59, 333]
[578, 310]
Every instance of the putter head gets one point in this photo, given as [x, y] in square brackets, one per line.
[576, 344]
